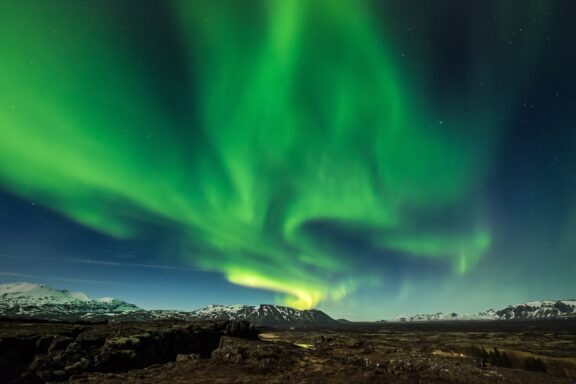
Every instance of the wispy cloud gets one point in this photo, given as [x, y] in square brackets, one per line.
[104, 263]
[67, 279]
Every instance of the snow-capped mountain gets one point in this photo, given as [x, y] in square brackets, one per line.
[534, 310]
[440, 316]
[26, 300]
[37, 301]
[264, 314]
[539, 310]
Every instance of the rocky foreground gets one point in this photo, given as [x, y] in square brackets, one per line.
[234, 352]
[48, 352]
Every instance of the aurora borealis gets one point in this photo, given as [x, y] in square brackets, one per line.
[327, 153]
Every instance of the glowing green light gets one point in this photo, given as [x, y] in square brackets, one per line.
[303, 115]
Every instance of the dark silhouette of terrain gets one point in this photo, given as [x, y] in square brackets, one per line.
[236, 352]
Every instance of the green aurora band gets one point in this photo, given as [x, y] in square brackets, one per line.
[305, 128]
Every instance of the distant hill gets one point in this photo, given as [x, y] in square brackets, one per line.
[26, 300]
[38, 301]
[534, 310]
[264, 314]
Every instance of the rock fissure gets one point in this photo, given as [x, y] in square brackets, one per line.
[57, 352]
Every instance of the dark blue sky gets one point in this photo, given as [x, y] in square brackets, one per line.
[493, 85]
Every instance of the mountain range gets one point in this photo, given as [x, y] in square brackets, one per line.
[38, 301]
[534, 310]
[26, 300]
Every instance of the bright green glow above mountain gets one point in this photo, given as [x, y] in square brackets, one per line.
[305, 133]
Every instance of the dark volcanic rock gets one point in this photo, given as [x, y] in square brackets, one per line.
[398, 354]
[15, 355]
[58, 343]
[256, 354]
[41, 356]
[455, 353]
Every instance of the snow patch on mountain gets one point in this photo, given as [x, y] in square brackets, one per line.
[263, 314]
[533, 310]
[539, 310]
[40, 293]
[27, 300]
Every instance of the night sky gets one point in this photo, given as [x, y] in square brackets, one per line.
[368, 158]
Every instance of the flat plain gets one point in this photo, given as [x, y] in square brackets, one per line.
[232, 352]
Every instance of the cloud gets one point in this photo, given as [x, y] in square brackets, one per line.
[43, 278]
